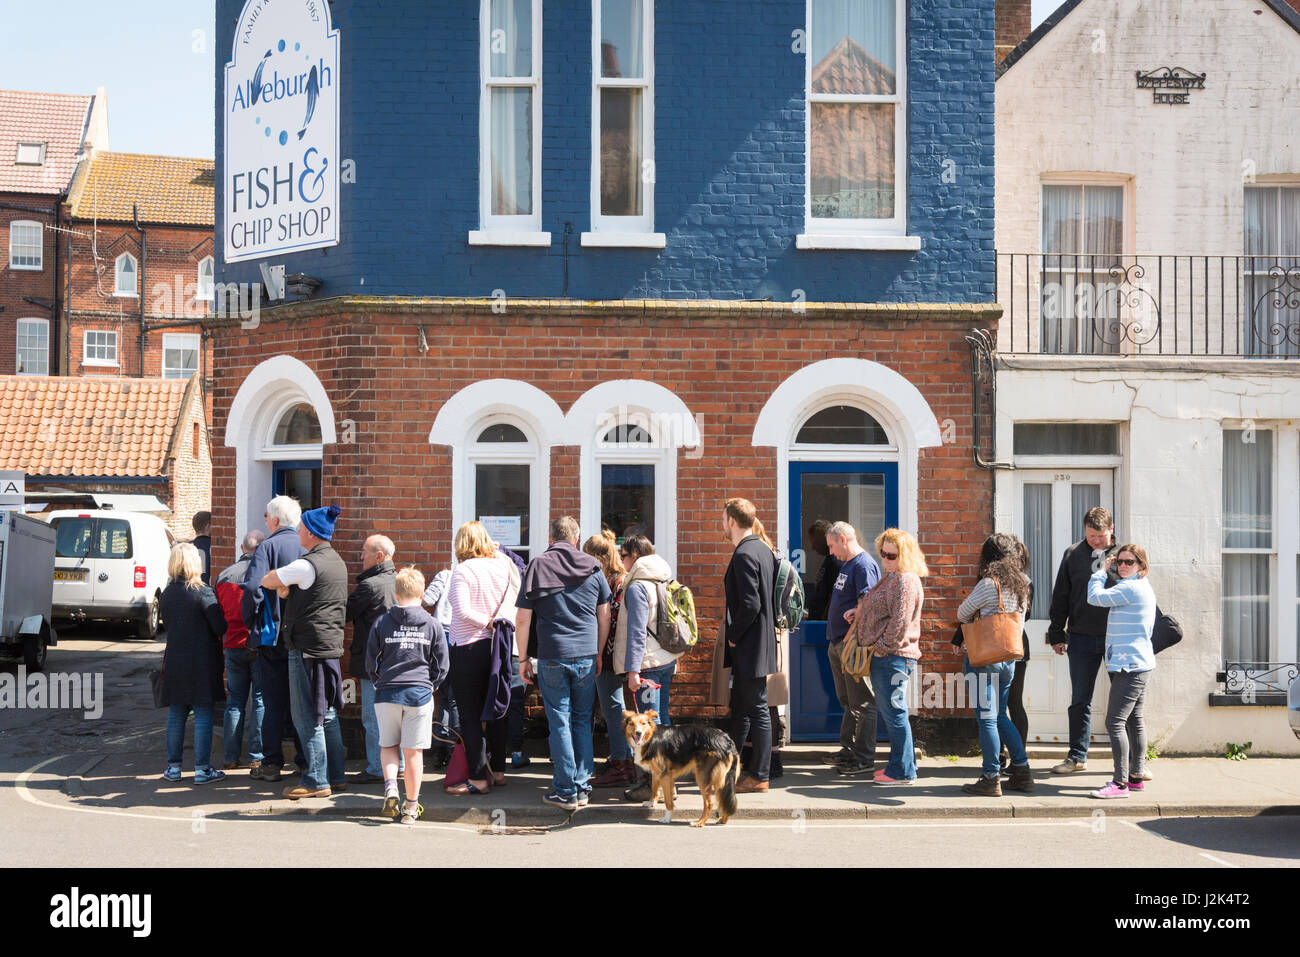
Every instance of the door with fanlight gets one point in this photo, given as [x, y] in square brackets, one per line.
[1050, 506]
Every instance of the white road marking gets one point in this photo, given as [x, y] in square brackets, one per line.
[1218, 860]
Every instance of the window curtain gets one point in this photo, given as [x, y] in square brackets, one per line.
[1082, 499]
[1270, 324]
[620, 151]
[854, 46]
[1083, 237]
[1247, 523]
[1038, 539]
[622, 38]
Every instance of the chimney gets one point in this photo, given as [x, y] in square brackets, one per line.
[1014, 23]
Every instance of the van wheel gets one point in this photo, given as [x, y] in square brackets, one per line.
[147, 626]
[35, 651]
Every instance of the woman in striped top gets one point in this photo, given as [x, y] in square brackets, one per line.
[484, 586]
[1003, 587]
[1130, 658]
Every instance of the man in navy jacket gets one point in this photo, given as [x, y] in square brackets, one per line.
[262, 608]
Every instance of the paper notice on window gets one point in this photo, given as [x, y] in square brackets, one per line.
[503, 529]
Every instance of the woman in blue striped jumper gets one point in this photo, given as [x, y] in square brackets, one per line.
[1130, 659]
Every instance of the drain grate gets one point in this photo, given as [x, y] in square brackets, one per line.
[515, 831]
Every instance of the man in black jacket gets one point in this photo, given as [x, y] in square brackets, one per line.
[376, 592]
[1079, 628]
[751, 638]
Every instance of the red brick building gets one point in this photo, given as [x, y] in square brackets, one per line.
[43, 138]
[417, 415]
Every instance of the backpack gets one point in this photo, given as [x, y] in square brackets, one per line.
[676, 629]
[788, 600]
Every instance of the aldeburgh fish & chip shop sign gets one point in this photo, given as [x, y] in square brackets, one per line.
[282, 131]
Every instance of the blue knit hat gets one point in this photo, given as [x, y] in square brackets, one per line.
[320, 521]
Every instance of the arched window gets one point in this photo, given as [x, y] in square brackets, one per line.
[504, 462]
[630, 431]
[501, 432]
[124, 276]
[841, 425]
[205, 280]
[297, 426]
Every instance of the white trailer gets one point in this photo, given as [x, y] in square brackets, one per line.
[26, 589]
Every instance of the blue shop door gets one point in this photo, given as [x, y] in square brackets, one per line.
[866, 495]
[300, 480]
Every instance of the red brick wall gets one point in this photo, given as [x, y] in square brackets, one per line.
[17, 283]
[169, 281]
[1014, 22]
[723, 365]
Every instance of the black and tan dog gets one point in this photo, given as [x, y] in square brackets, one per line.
[668, 753]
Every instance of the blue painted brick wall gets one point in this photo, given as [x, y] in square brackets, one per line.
[729, 159]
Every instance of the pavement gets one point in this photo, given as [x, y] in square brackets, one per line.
[128, 779]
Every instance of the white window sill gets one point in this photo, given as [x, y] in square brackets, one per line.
[100, 363]
[857, 241]
[127, 295]
[625, 240]
[27, 268]
[508, 237]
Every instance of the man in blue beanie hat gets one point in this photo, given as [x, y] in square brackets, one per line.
[315, 589]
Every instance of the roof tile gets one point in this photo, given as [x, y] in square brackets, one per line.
[168, 189]
[61, 426]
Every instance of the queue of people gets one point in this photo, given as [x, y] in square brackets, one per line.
[584, 625]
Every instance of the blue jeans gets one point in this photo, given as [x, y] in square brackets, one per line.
[609, 689]
[322, 742]
[176, 719]
[657, 699]
[1086, 653]
[889, 677]
[992, 691]
[243, 702]
[568, 688]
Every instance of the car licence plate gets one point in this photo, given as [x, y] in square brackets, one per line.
[70, 574]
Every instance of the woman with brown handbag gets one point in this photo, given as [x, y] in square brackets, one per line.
[992, 619]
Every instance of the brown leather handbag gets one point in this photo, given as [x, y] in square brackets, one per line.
[991, 639]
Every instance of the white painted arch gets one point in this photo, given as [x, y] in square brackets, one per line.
[263, 396]
[657, 410]
[888, 396]
[461, 420]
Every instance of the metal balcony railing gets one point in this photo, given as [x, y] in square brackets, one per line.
[1232, 306]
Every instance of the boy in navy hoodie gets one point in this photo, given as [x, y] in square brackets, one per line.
[406, 658]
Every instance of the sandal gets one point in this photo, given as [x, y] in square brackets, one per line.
[466, 789]
[498, 779]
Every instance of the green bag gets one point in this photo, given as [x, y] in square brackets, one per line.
[676, 628]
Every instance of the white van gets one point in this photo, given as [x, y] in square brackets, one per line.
[110, 566]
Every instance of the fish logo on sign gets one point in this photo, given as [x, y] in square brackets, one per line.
[282, 131]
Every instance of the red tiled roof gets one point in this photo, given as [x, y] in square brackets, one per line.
[56, 119]
[168, 189]
[72, 426]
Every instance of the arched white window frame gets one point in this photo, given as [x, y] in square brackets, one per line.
[671, 425]
[887, 396]
[462, 419]
[206, 280]
[274, 385]
[271, 452]
[119, 289]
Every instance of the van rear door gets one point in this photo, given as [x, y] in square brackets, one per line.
[74, 562]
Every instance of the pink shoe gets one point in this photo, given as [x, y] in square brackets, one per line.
[1111, 790]
[880, 777]
[1136, 784]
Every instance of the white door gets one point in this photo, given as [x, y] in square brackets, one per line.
[1050, 505]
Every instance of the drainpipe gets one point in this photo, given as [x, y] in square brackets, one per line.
[982, 369]
[144, 260]
[67, 303]
[55, 332]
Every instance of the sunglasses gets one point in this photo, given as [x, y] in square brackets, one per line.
[890, 556]
[1126, 561]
